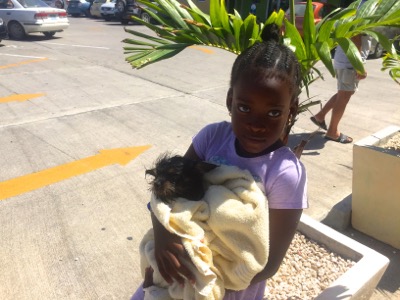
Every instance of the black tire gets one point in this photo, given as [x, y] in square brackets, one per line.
[396, 45]
[16, 31]
[76, 15]
[49, 34]
[124, 22]
[107, 18]
[120, 6]
[378, 51]
[145, 17]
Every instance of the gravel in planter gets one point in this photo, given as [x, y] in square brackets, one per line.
[307, 269]
[393, 143]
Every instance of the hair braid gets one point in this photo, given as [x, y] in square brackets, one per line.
[270, 59]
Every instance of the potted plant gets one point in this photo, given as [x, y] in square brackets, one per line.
[375, 198]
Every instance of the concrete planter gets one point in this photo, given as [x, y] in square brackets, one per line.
[376, 188]
[358, 282]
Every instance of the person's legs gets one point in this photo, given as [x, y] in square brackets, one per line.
[320, 116]
[347, 84]
[342, 98]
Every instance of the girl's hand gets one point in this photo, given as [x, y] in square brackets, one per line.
[361, 76]
[169, 254]
[148, 277]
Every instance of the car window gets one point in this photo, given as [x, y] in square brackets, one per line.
[4, 4]
[32, 3]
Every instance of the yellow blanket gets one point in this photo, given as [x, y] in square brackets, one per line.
[226, 235]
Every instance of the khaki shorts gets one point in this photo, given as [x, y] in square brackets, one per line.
[346, 80]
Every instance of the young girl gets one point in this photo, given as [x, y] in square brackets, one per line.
[262, 100]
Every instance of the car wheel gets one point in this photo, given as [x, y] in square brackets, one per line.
[107, 18]
[59, 4]
[76, 15]
[88, 14]
[49, 34]
[396, 45]
[16, 31]
[120, 6]
[146, 17]
[124, 22]
[378, 51]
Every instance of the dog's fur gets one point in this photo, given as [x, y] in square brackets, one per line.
[178, 176]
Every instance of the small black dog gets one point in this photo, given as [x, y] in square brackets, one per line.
[177, 176]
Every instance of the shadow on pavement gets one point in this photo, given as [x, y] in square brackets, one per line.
[390, 281]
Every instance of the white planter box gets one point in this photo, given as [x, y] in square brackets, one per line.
[358, 282]
[376, 188]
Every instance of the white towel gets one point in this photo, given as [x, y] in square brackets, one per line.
[226, 235]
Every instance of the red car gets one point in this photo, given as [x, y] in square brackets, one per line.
[320, 11]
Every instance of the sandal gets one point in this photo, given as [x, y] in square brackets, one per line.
[343, 139]
[319, 124]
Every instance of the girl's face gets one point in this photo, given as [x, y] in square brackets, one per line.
[260, 109]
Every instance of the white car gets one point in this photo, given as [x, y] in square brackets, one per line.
[108, 11]
[29, 16]
[95, 8]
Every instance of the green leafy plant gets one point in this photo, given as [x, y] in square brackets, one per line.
[185, 25]
[392, 63]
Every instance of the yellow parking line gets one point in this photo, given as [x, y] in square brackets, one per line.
[30, 182]
[205, 50]
[19, 97]
[23, 63]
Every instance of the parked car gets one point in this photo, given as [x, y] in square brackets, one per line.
[55, 3]
[376, 50]
[3, 30]
[95, 8]
[320, 11]
[77, 8]
[127, 8]
[28, 16]
[108, 10]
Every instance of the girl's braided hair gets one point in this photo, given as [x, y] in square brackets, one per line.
[269, 59]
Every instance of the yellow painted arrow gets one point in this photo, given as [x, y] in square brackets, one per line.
[19, 97]
[30, 182]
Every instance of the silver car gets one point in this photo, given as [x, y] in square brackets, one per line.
[108, 10]
[23, 17]
[376, 49]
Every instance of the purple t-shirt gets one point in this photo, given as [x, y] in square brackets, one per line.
[280, 172]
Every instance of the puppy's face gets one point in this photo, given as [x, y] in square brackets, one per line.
[178, 176]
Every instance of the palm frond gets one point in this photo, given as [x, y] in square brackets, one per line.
[186, 25]
[392, 64]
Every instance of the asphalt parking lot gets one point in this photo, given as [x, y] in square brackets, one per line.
[78, 127]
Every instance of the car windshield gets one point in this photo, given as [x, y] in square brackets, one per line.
[299, 10]
[32, 3]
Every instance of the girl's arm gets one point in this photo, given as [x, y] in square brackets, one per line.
[169, 251]
[282, 227]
